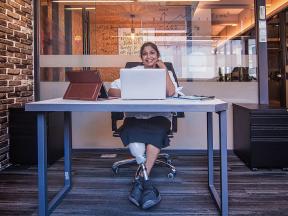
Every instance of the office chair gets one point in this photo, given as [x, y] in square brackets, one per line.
[163, 158]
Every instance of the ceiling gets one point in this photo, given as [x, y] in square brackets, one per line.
[220, 14]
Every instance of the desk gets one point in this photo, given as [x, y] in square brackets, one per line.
[118, 105]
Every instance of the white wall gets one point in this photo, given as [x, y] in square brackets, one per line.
[93, 130]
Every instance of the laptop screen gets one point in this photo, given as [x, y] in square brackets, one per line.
[143, 83]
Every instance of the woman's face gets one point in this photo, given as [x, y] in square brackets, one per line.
[149, 57]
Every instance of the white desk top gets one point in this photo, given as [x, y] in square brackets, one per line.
[118, 105]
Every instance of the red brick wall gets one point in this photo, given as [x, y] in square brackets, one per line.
[16, 69]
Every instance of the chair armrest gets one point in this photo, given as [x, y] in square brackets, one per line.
[174, 124]
[114, 125]
[180, 115]
[115, 116]
[175, 116]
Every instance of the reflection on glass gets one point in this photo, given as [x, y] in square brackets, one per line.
[287, 51]
[204, 40]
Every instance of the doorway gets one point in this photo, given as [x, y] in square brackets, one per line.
[277, 29]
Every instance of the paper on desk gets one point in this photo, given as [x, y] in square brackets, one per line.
[178, 91]
[195, 97]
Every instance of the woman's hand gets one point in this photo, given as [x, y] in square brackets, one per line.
[114, 92]
[161, 64]
[170, 89]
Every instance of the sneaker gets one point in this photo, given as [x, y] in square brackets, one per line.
[136, 191]
[150, 196]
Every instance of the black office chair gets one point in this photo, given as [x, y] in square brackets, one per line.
[163, 158]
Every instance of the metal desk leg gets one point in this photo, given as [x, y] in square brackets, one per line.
[42, 163]
[67, 164]
[211, 186]
[222, 203]
[223, 150]
[210, 149]
[44, 208]
[67, 148]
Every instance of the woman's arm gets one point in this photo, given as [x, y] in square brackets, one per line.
[170, 88]
[113, 92]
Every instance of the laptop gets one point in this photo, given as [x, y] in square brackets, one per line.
[85, 85]
[143, 84]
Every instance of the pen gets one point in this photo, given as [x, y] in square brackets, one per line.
[196, 97]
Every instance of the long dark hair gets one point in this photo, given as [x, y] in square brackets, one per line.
[154, 46]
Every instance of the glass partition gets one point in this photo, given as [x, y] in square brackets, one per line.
[205, 40]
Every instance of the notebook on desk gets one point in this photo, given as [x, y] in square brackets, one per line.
[85, 85]
[143, 84]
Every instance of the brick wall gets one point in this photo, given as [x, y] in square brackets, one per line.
[16, 69]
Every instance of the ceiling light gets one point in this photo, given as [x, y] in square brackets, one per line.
[150, 31]
[73, 8]
[132, 26]
[92, 1]
[229, 24]
[80, 8]
[178, 0]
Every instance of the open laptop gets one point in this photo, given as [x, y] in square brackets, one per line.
[85, 85]
[143, 84]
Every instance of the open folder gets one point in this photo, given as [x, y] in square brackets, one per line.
[85, 85]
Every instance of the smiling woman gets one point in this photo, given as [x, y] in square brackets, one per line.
[146, 131]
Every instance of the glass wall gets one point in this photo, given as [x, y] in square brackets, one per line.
[274, 60]
[205, 40]
[277, 43]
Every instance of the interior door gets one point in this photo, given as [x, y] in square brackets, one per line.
[286, 59]
[277, 58]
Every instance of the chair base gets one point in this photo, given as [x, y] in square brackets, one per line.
[163, 160]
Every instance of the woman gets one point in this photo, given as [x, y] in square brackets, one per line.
[149, 128]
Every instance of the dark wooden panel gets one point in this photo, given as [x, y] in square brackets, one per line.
[269, 119]
[276, 131]
[241, 133]
[23, 136]
[261, 135]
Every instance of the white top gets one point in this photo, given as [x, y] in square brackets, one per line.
[116, 84]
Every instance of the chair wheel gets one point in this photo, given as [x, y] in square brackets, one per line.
[169, 161]
[171, 175]
[115, 170]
